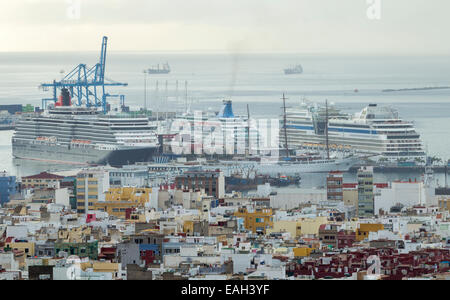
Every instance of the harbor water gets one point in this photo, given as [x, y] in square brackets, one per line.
[351, 82]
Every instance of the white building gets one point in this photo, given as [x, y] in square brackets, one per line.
[292, 198]
[408, 194]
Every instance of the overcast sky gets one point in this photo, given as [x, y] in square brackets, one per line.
[301, 26]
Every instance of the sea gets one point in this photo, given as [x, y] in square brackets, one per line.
[200, 81]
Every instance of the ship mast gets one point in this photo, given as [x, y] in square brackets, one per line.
[186, 96]
[326, 129]
[285, 125]
[248, 130]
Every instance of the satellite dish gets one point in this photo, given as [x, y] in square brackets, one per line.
[62, 254]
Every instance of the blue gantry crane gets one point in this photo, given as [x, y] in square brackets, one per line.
[86, 85]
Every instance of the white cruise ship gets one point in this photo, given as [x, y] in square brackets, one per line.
[376, 130]
[221, 134]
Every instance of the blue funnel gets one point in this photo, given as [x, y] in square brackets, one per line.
[227, 110]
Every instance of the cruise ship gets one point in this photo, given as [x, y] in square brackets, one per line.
[376, 130]
[218, 134]
[80, 135]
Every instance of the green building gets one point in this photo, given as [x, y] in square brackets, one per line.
[89, 249]
[28, 108]
[366, 200]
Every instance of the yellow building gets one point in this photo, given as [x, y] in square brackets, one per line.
[106, 267]
[26, 247]
[302, 252]
[102, 267]
[188, 226]
[351, 197]
[300, 227]
[91, 186]
[74, 234]
[310, 226]
[285, 226]
[118, 200]
[444, 204]
[137, 217]
[256, 220]
[364, 229]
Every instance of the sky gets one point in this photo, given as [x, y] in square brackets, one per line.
[293, 26]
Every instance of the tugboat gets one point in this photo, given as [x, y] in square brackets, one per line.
[159, 69]
[298, 69]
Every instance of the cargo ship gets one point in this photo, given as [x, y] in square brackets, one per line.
[298, 69]
[159, 69]
[83, 135]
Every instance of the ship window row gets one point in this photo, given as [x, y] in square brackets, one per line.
[130, 128]
[62, 125]
[404, 137]
[63, 133]
[62, 138]
[60, 129]
[348, 125]
[403, 153]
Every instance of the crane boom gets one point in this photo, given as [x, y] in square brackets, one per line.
[83, 83]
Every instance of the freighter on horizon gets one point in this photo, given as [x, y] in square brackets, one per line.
[163, 69]
[81, 135]
[298, 69]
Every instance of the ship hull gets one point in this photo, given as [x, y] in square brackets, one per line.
[62, 154]
[292, 169]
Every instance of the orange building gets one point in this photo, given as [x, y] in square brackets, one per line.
[256, 220]
[364, 229]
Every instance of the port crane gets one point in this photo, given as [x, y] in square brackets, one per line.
[86, 85]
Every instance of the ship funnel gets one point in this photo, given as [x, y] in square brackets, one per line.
[64, 98]
[227, 110]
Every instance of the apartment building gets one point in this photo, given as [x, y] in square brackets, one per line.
[91, 186]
